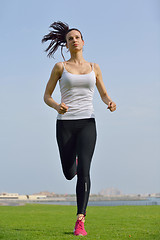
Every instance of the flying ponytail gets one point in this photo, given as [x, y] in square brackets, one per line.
[57, 36]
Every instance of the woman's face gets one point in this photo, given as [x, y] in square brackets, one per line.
[74, 41]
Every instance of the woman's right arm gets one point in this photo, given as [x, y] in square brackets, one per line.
[55, 76]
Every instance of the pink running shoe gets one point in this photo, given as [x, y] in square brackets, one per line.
[79, 229]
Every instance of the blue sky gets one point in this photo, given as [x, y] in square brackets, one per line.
[123, 37]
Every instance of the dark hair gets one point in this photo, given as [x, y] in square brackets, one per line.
[57, 36]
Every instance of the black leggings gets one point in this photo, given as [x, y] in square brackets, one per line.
[76, 139]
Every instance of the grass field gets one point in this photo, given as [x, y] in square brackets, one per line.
[46, 222]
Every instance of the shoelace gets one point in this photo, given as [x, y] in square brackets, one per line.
[80, 224]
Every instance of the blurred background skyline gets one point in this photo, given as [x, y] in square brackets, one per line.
[123, 37]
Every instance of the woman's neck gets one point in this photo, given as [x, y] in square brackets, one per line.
[77, 57]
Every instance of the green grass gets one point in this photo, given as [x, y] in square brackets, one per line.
[46, 222]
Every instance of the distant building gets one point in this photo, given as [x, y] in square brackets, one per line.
[16, 196]
[45, 193]
[9, 196]
[110, 192]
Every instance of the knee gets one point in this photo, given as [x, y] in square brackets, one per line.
[68, 176]
[69, 173]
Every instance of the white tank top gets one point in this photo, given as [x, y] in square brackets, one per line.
[77, 93]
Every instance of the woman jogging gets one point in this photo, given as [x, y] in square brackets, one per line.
[75, 126]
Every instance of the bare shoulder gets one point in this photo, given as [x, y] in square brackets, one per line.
[97, 69]
[57, 69]
[96, 66]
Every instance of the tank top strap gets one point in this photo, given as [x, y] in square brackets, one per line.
[63, 66]
[63, 63]
[92, 66]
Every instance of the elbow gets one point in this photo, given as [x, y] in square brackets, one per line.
[45, 98]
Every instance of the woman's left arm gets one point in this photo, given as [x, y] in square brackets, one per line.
[102, 90]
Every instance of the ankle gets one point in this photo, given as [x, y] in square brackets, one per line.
[81, 217]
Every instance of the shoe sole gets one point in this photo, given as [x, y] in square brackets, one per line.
[79, 235]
